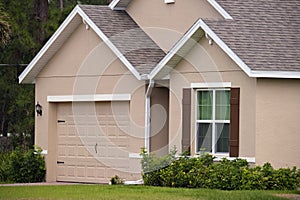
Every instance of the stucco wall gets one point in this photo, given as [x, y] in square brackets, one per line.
[208, 63]
[84, 65]
[278, 119]
[166, 23]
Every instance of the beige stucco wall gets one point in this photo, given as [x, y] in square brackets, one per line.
[208, 63]
[277, 122]
[84, 65]
[166, 23]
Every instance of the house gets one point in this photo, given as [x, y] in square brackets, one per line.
[211, 76]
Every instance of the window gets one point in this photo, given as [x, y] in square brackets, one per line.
[213, 120]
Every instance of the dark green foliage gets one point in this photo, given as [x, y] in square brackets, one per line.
[202, 172]
[151, 166]
[4, 167]
[21, 166]
[116, 180]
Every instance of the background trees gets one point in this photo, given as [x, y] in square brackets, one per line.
[25, 26]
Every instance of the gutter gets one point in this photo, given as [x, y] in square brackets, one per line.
[148, 114]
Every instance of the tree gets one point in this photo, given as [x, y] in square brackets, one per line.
[4, 26]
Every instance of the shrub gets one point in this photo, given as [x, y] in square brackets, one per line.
[116, 180]
[202, 172]
[152, 165]
[23, 166]
[4, 167]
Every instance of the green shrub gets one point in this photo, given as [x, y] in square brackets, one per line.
[202, 172]
[116, 180]
[4, 167]
[152, 165]
[23, 166]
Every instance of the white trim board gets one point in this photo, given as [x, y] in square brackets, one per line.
[219, 8]
[89, 98]
[249, 159]
[211, 85]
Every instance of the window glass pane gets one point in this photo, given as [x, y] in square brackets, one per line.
[204, 105]
[204, 133]
[222, 134]
[222, 105]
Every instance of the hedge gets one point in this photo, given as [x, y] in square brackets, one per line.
[22, 166]
[203, 172]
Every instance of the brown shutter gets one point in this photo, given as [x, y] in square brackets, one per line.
[234, 122]
[186, 119]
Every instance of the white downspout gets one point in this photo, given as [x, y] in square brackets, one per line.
[148, 115]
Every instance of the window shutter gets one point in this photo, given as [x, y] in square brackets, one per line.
[234, 122]
[186, 119]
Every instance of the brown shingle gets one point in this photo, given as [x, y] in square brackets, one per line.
[264, 34]
[138, 48]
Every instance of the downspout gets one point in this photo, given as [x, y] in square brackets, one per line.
[148, 114]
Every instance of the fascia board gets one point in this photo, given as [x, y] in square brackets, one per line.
[113, 4]
[275, 74]
[219, 8]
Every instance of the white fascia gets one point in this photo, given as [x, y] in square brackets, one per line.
[106, 40]
[113, 4]
[89, 98]
[48, 44]
[275, 74]
[219, 8]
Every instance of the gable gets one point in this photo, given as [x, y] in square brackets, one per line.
[201, 29]
[119, 39]
[83, 54]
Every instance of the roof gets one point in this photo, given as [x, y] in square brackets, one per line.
[264, 34]
[262, 37]
[118, 31]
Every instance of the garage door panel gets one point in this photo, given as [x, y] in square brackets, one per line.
[92, 141]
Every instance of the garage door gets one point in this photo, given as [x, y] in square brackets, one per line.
[93, 144]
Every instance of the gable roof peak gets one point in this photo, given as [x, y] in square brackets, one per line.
[119, 38]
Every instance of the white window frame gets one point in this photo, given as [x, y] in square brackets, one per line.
[213, 121]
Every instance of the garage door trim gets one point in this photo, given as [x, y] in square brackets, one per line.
[89, 98]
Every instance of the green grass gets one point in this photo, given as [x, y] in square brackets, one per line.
[126, 192]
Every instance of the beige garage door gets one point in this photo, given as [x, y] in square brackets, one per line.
[93, 144]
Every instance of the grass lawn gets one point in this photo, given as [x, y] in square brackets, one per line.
[127, 192]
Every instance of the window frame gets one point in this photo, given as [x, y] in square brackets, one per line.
[213, 121]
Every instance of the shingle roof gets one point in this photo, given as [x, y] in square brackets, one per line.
[263, 33]
[137, 47]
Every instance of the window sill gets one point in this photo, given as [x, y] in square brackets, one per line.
[220, 156]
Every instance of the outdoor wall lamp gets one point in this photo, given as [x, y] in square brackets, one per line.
[38, 109]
